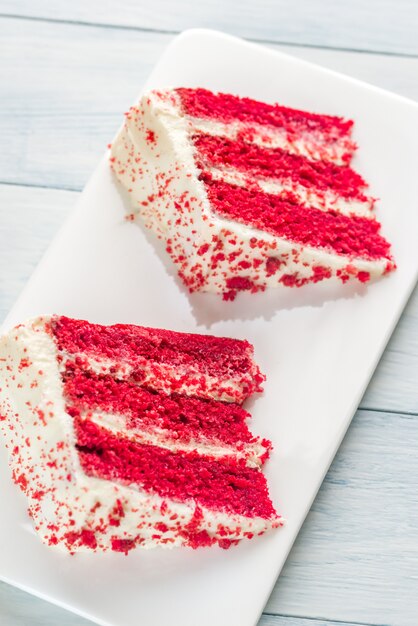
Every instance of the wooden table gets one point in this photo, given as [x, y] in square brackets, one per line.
[68, 70]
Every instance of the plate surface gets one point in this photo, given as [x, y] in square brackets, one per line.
[318, 345]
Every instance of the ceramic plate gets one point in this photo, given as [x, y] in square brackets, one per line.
[318, 345]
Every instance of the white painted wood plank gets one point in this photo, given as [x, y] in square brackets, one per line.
[357, 555]
[29, 219]
[379, 25]
[286, 620]
[63, 89]
[18, 608]
[394, 385]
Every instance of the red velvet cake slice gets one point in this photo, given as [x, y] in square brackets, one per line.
[113, 453]
[248, 195]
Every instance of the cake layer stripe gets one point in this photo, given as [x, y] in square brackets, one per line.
[219, 484]
[174, 421]
[311, 146]
[330, 131]
[350, 236]
[200, 365]
[276, 163]
[292, 191]
[226, 107]
[254, 454]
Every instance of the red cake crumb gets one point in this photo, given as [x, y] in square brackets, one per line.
[219, 484]
[83, 538]
[351, 236]
[239, 283]
[117, 514]
[277, 163]
[122, 545]
[200, 539]
[151, 138]
[273, 265]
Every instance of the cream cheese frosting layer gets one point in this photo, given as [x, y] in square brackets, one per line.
[325, 200]
[307, 145]
[253, 453]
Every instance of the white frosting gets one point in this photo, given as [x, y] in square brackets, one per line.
[307, 196]
[116, 424]
[310, 145]
[163, 180]
[166, 378]
[62, 498]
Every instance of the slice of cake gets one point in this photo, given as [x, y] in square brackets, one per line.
[124, 436]
[248, 195]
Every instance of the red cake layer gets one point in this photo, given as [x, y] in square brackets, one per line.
[228, 108]
[277, 163]
[219, 484]
[215, 356]
[183, 418]
[352, 236]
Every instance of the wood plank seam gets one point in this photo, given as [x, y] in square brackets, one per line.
[319, 619]
[54, 20]
[399, 412]
[280, 42]
[11, 183]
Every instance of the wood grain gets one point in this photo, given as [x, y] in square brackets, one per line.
[355, 558]
[378, 25]
[29, 219]
[286, 620]
[17, 608]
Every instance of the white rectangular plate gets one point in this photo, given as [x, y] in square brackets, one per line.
[318, 345]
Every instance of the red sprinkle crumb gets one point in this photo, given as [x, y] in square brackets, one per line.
[122, 545]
